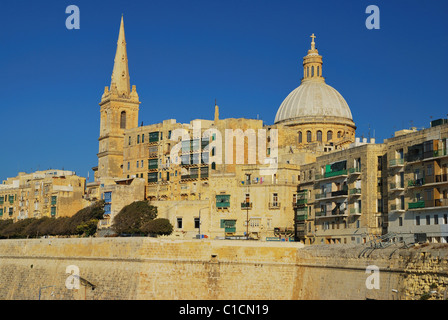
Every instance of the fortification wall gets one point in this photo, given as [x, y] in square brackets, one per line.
[146, 268]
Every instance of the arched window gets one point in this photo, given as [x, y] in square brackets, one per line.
[329, 135]
[339, 134]
[308, 136]
[300, 136]
[318, 70]
[319, 136]
[312, 71]
[123, 120]
[213, 166]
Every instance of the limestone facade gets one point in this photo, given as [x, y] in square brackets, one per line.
[50, 193]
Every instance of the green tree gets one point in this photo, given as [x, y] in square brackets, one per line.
[132, 217]
[160, 226]
[87, 228]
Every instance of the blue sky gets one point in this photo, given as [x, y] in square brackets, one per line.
[183, 55]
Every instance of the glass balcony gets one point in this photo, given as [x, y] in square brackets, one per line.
[354, 171]
[396, 162]
[355, 191]
[355, 211]
[301, 217]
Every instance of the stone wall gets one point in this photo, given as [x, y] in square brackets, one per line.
[146, 268]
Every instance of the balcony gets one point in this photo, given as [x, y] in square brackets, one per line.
[354, 171]
[396, 186]
[301, 217]
[274, 205]
[222, 204]
[396, 163]
[331, 174]
[428, 204]
[355, 211]
[331, 195]
[355, 192]
[246, 205]
[429, 180]
[416, 205]
[396, 208]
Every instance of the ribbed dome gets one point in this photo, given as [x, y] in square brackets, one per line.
[314, 99]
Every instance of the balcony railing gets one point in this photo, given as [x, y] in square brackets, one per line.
[396, 207]
[439, 178]
[425, 204]
[274, 205]
[321, 213]
[331, 174]
[396, 162]
[396, 186]
[325, 195]
[354, 170]
[355, 191]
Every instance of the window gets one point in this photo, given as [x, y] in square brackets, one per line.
[329, 135]
[213, 166]
[339, 134]
[429, 170]
[428, 220]
[318, 70]
[312, 71]
[445, 219]
[129, 143]
[138, 139]
[179, 223]
[123, 120]
[143, 138]
[417, 220]
[400, 221]
[275, 199]
[137, 164]
[129, 166]
[196, 223]
[436, 219]
[319, 136]
[300, 136]
[308, 136]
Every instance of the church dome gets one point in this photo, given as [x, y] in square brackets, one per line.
[314, 101]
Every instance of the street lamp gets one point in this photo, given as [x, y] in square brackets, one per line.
[200, 221]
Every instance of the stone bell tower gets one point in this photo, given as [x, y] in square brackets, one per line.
[119, 111]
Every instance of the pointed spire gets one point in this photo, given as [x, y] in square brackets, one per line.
[120, 73]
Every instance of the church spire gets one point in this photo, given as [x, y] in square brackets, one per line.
[312, 64]
[120, 73]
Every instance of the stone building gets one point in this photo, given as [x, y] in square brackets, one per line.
[306, 175]
[340, 199]
[220, 177]
[50, 193]
[418, 184]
